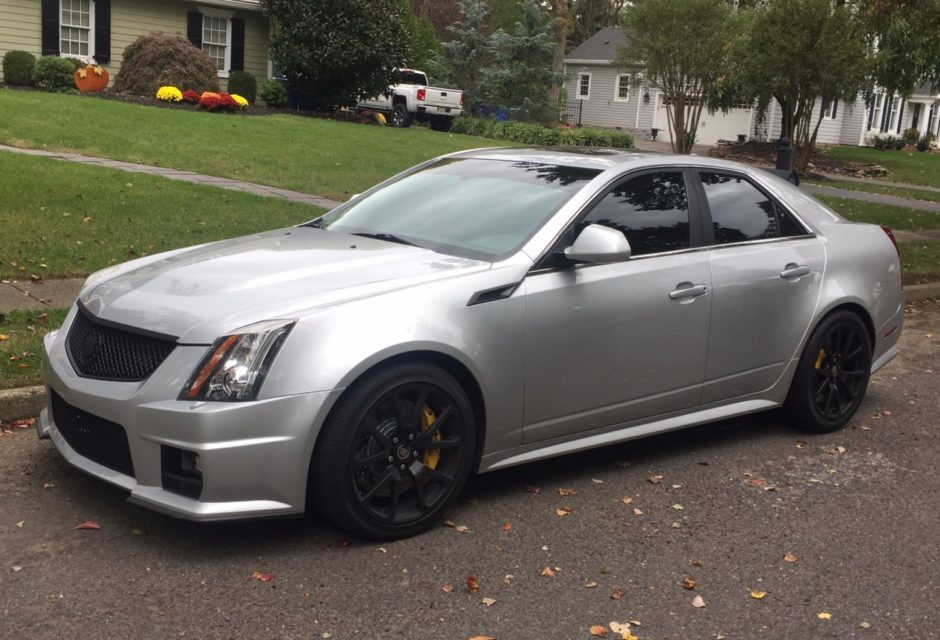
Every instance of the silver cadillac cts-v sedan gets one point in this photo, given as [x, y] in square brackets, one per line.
[478, 311]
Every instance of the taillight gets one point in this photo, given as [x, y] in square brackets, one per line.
[894, 240]
[422, 92]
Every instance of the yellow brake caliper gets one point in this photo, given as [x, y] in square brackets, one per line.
[431, 456]
[820, 358]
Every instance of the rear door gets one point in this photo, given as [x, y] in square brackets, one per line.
[610, 343]
[766, 271]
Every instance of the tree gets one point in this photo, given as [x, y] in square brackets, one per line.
[588, 16]
[685, 47]
[906, 39]
[334, 52]
[521, 72]
[804, 54]
[468, 49]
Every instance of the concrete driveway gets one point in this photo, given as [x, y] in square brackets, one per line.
[839, 532]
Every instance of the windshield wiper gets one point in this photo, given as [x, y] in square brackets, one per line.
[388, 237]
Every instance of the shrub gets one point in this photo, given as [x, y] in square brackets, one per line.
[274, 94]
[244, 84]
[19, 68]
[169, 94]
[911, 135]
[158, 59]
[923, 143]
[539, 135]
[886, 141]
[241, 101]
[55, 74]
[75, 62]
[217, 101]
[190, 96]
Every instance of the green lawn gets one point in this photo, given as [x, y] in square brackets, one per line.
[921, 262]
[21, 335]
[65, 219]
[323, 157]
[912, 167]
[900, 192]
[875, 213]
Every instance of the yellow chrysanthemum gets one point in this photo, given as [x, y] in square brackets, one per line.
[240, 101]
[169, 94]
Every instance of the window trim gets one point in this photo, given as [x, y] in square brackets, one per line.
[617, 78]
[579, 95]
[832, 109]
[90, 58]
[212, 12]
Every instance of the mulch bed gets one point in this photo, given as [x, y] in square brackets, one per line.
[765, 154]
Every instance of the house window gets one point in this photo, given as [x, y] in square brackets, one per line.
[895, 113]
[932, 119]
[584, 86]
[216, 41]
[76, 30]
[874, 115]
[622, 88]
[832, 109]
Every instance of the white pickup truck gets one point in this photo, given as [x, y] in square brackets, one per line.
[412, 99]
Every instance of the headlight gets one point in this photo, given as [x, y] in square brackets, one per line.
[234, 368]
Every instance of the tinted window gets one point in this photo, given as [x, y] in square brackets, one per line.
[652, 210]
[468, 207]
[741, 212]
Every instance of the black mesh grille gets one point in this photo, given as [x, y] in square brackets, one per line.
[97, 439]
[101, 351]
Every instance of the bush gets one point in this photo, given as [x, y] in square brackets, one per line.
[274, 94]
[243, 84]
[886, 141]
[55, 74]
[190, 96]
[911, 135]
[158, 59]
[539, 135]
[19, 68]
[217, 101]
[923, 143]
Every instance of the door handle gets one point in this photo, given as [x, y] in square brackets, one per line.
[793, 271]
[687, 290]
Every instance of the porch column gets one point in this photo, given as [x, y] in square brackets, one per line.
[923, 121]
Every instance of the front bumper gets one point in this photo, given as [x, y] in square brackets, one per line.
[253, 456]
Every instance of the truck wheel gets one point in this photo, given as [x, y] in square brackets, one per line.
[441, 123]
[400, 115]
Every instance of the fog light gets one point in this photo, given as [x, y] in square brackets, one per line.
[181, 471]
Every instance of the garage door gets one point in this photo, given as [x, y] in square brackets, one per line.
[712, 127]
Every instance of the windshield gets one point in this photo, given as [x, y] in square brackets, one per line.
[483, 209]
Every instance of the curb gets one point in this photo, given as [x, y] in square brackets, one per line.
[27, 402]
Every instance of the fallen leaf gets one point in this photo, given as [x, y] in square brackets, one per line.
[596, 481]
[567, 492]
[637, 512]
[462, 528]
[627, 500]
[789, 557]
[263, 577]
[4, 337]
[547, 572]
[698, 602]
[482, 638]
[19, 525]
[17, 568]
[447, 588]
[655, 479]
[886, 413]
[382, 550]
[450, 523]
[506, 527]
[865, 625]
[677, 486]
[488, 601]
[42, 318]
[758, 595]
[590, 585]
[531, 489]
[88, 524]
[472, 584]
[561, 512]
[507, 579]
[598, 630]
[622, 629]
[689, 582]
[678, 507]
[801, 444]
[824, 615]
[696, 563]
[757, 482]
[49, 485]
[616, 594]
[676, 525]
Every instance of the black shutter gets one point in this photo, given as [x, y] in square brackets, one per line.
[238, 44]
[835, 108]
[901, 115]
[102, 50]
[194, 28]
[50, 27]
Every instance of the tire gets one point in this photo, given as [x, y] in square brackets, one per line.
[400, 116]
[380, 469]
[832, 374]
[441, 123]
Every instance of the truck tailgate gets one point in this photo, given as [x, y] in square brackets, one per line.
[436, 97]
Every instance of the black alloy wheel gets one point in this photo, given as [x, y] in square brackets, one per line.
[397, 448]
[832, 375]
[400, 117]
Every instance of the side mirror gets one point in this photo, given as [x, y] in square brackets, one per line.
[598, 244]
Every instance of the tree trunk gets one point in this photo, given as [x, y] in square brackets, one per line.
[561, 9]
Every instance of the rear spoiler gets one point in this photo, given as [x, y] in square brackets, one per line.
[786, 174]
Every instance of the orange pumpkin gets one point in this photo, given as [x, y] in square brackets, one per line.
[90, 78]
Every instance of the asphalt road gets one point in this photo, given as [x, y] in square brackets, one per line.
[856, 511]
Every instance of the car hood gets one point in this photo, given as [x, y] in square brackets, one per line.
[201, 293]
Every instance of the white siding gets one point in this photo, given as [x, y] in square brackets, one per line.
[853, 123]
[601, 109]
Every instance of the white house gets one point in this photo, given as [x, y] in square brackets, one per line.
[602, 93]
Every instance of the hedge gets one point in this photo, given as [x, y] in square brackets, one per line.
[539, 135]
